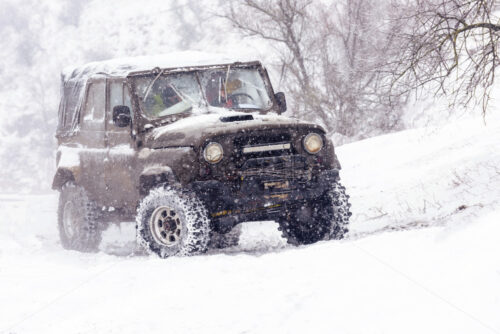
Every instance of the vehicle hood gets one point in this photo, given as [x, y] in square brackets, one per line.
[195, 130]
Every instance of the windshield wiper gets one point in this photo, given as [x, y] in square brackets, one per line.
[146, 93]
[225, 81]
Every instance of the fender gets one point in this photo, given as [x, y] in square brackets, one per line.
[154, 175]
[336, 162]
[68, 167]
[331, 155]
[62, 176]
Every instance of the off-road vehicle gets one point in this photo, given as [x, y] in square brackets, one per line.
[189, 146]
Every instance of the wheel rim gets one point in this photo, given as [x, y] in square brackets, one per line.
[165, 226]
[69, 220]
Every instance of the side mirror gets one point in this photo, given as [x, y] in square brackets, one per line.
[121, 116]
[280, 99]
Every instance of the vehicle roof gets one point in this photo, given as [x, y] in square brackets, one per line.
[121, 67]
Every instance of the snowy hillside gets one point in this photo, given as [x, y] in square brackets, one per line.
[421, 257]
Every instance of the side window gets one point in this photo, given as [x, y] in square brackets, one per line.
[70, 104]
[118, 96]
[93, 114]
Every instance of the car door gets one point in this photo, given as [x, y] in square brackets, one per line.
[93, 152]
[120, 165]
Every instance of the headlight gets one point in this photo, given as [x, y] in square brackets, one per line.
[313, 143]
[213, 153]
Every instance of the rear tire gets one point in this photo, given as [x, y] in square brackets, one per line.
[77, 215]
[172, 222]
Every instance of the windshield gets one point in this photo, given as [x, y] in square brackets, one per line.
[163, 95]
[167, 94]
[240, 88]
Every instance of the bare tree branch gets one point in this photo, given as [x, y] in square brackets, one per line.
[450, 46]
[331, 59]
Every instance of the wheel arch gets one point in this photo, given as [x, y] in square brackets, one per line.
[62, 176]
[68, 166]
[152, 176]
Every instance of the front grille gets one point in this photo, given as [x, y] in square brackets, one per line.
[262, 144]
[266, 148]
[273, 178]
[257, 139]
[269, 156]
[291, 167]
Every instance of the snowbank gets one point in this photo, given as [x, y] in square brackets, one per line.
[423, 176]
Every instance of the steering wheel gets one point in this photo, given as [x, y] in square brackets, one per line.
[234, 96]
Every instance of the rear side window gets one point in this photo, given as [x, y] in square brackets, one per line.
[93, 113]
[71, 97]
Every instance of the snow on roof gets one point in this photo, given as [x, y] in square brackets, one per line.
[124, 66]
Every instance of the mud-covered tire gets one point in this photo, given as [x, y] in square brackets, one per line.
[183, 211]
[325, 218]
[77, 219]
[225, 240]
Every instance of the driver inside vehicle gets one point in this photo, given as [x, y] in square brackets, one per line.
[218, 91]
[164, 99]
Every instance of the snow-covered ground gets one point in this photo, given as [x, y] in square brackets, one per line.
[423, 256]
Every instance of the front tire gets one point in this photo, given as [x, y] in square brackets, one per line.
[337, 211]
[326, 218]
[77, 215]
[172, 222]
[304, 225]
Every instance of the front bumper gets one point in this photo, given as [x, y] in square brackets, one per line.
[258, 198]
